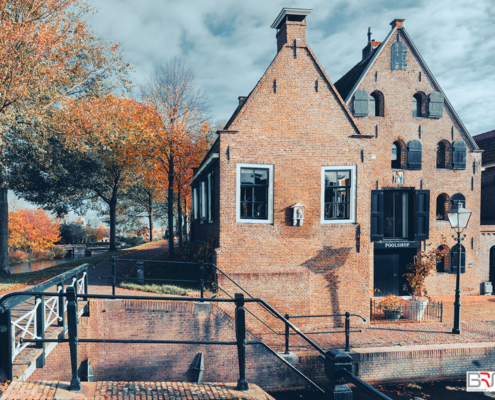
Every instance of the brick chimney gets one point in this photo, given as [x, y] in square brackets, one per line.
[371, 46]
[398, 22]
[291, 27]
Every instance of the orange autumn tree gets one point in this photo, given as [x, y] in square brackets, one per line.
[48, 53]
[94, 158]
[181, 111]
[32, 230]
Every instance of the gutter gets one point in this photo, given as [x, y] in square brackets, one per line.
[209, 160]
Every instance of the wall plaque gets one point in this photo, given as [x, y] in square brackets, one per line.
[397, 245]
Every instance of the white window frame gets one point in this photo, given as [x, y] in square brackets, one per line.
[203, 203]
[210, 216]
[269, 220]
[352, 216]
[195, 203]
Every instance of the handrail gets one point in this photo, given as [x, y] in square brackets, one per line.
[43, 286]
[376, 394]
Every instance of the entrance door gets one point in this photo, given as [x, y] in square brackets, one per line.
[386, 272]
[492, 265]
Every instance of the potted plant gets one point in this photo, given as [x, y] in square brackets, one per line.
[424, 264]
[392, 307]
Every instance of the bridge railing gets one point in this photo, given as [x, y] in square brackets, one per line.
[337, 362]
[48, 310]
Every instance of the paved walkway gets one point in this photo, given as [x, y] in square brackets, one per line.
[51, 390]
[477, 325]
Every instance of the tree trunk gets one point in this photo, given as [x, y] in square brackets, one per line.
[150, 214]
[113, 206]
[4, 232]
[186, 225]
[170, 210]
[179, 212]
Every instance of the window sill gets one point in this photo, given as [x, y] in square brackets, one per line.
[337, 221]
[254, 221]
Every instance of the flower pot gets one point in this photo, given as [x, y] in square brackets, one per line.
[414, 310]
[392, 315]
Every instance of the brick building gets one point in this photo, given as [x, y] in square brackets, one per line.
[316, 193]
[486, 142]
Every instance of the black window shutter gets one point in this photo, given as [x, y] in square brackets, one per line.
[435, 105]
[398, 56]
[459, 155]
[422, 215]
[361, 107]
[414, 155]
[376, 215]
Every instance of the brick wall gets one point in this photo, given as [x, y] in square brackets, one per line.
[164, 362]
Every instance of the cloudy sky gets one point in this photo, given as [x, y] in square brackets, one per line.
[229, 44]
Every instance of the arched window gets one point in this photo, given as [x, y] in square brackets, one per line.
[458, 197]
[443, 205]
[376, 104]
[416, 106]
[414, 155]
[459, 155]
[396, 155]
[455, 257]
[443, 264]
[441, 155]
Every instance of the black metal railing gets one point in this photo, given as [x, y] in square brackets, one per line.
[47, 310]
[347, 327]
[433, 311]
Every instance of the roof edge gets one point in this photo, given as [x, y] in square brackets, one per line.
[435, 83]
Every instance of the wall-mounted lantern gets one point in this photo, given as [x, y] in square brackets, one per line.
[298, 214]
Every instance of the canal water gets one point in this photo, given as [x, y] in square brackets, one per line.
[39, 265]
[448, 390]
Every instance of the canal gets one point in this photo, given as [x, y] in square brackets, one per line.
[440, 390]
[39, 265]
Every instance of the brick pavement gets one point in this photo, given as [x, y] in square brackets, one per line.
[51, 390]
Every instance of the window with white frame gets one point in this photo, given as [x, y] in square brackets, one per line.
[254, 193]
[203, 200]
[210, 192]
[195, 203]
[338, 194]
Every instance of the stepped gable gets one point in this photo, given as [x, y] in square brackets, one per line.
[350, 81]
[486, 142]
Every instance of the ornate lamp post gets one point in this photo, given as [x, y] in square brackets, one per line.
[459, 218]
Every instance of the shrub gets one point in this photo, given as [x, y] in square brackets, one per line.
[56, 252]
[39, 255]
[17, 256]
[162, 289]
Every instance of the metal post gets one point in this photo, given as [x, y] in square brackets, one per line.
[240, 333]
[114, 276]
[371, 309]
[202, 277]
[347, 330]
[40, 330]
[140, 271]
[336, 388]
[75, 383]
[86, 284]
[457, 304]
[287, 328]
[61, 307]
[6, 343]
[441, 311]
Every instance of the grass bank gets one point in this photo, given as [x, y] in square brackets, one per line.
[18, 281]
[174, 270]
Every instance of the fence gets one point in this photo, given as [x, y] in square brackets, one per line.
[48, 310]
[433, 311]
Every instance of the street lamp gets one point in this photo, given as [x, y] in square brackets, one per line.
[459, 218]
